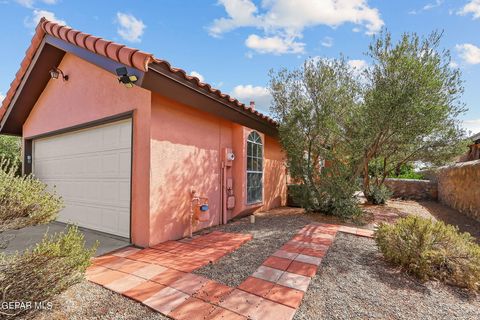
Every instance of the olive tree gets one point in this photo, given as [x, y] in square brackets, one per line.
[314, 106]
[401, 109]
[410, 108]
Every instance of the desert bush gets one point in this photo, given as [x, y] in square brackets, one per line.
[53, 265]
[25, 200]
[10, 150]
[431, 250]
[379, 194]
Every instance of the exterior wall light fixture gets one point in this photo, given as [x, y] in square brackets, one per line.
[55, 72]
[123, 77]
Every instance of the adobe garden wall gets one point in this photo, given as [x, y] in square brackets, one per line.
[412, 189]
[459, 187]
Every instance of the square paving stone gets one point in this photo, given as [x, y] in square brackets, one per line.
[294, 281]
[314, 252]
[168, 277]
[213, 292]
[189, 283]
[192, 309]
[277, 263]
[107, 276]
[144, 291]
[125, 283]
[267, 273]
[365, 233]
[224, 314]
[286, 296]
[256, 286]
[103, 260]
[129, 266]
[126, 252]
[241, 302]
[166, 300]
[309, 259]
[305, 269]
[149, 271]
[285, 254]
[93, 270]
[272, 310]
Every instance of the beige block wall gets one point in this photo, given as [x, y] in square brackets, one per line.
[412, 189]
[459, 187]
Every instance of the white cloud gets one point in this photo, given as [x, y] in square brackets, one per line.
[428, 6]
[26, 3]
[130, 28]
[327, 42]
[2, 96]
[472, 126]
[433, 5]
[472, 7]
[453, 64]
[275, 44]
[32, 21]
[260, 95]
[286, 19]
[198, 75]
[469, 53]
[30, 3]
[358, 65]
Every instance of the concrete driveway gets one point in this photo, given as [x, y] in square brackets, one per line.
[19, 240]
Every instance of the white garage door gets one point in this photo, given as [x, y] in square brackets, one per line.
[90, 169]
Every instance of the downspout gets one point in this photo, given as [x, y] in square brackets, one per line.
[224, 193]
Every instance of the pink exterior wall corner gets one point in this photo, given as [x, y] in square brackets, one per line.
[175, 148]
[91, 94]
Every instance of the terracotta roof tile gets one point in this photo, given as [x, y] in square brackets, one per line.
[117, 52]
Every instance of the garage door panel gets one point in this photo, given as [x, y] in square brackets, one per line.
[91, 170]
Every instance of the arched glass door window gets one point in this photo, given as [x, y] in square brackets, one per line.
[254, 168]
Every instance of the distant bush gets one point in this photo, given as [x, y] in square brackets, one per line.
[52, 266]
[25, 200]
[406, 171]
[431, 250]
[379, 194]
[10, 150]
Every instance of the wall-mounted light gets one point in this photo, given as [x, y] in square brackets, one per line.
[55, 72]
[123, 77]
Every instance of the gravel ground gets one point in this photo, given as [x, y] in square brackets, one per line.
[354, 282]
[87, 300]
[269, 234]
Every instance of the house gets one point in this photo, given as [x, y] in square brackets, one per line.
[474, 149]
[128, 157]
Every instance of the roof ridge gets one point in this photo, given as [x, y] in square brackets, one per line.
[123, 54]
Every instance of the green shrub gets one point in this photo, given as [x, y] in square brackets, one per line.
[333, 194]
[10, 150]
[56, 263]
[378, 194]
[431, 250]
[25, 200]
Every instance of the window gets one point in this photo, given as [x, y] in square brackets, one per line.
[254, 168]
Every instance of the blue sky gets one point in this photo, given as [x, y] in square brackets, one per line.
[232, 44]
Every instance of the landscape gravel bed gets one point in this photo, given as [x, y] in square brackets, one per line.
[354, 282]
[87, 300]
[269, 232]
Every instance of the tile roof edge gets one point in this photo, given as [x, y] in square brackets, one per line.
[120, 53]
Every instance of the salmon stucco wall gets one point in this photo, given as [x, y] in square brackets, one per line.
[274, 173]
[90, 94]
[275, 177]
[186, 154]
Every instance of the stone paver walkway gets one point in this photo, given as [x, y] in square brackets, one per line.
[160, 277]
